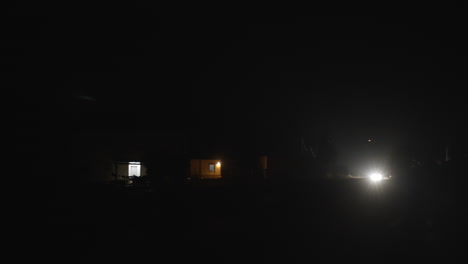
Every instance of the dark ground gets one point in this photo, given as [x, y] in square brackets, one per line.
[288, 223]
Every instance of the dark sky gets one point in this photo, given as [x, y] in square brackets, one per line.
[236, 76]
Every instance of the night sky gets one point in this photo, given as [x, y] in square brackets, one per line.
[239, 80]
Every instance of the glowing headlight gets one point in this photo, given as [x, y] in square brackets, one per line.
[376, 177]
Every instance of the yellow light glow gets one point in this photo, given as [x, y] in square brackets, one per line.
[219, 163]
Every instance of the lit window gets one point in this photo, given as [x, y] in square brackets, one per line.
[212, 167]
[134, 169]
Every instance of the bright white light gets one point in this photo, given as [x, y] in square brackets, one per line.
[375, 177]
[219, 163]
[134, 170]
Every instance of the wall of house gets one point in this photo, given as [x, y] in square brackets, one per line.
[122, 170]
[201, 168]
[144, 170]
[263, 162]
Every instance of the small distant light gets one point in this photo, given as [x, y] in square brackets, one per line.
[219, 163]
[370, 140]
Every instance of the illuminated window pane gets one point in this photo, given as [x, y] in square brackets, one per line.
[212, 167]
[134, 170]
